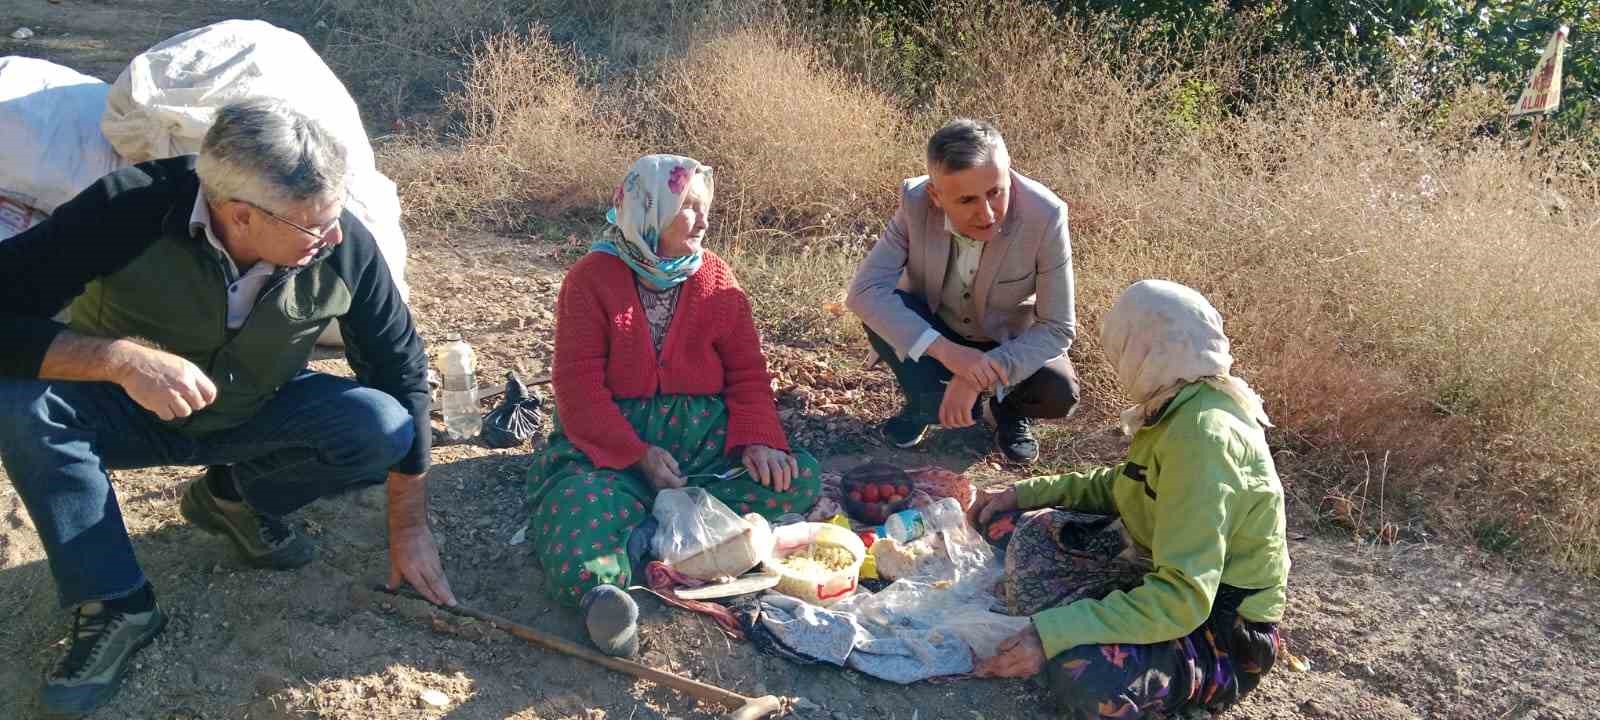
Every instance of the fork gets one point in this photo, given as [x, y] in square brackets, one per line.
[728, 474]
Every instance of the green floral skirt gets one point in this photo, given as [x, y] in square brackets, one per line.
[583, 515]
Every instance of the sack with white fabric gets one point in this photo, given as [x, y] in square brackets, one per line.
[50, 142]
[165, 101]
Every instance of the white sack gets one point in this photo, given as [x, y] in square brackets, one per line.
[50, 142]
[16, 215]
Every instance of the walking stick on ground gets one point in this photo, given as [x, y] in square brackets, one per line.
[740, 707]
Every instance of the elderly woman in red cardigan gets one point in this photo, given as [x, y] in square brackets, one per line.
[659, 383]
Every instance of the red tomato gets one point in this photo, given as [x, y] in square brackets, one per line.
[855, 496]
[885, 490]
[870, 493]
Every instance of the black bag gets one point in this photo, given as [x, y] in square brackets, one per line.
[517, 419]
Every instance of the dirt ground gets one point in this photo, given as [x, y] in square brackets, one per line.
[1406, 631]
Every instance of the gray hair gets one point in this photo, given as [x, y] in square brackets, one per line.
[964, 143]
[266, 152]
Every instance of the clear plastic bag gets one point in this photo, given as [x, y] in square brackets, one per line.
[692, 521]
[983, 629]
[948, 594]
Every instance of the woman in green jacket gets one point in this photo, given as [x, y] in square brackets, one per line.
[1155, 585]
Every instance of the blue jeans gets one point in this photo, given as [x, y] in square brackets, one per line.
[319, 436]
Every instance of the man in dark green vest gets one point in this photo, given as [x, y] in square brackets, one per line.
[197, 286]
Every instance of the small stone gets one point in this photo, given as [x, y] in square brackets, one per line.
[434, 698]
[804, 704]
[1312, 709]
[22, 33]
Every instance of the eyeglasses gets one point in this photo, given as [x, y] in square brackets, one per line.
[317, 234]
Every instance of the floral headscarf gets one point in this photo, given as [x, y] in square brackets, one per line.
[1161, 336]
[643, 205]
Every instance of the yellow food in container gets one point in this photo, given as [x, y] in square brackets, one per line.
[816, 562]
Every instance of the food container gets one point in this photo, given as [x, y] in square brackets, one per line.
[821, 588]
[874, 491]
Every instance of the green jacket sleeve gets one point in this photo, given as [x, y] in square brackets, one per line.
[1192, 518]
[1085, 490]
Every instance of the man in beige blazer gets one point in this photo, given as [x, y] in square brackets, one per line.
[968, 292]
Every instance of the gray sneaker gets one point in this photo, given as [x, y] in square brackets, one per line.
[265, 541]
[103, 641]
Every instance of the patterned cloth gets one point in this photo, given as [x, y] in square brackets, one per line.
[658, 306]
[644, 205]
[583, 515]
[664, 583]
[1056, 557]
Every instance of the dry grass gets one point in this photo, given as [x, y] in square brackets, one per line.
[800, 147]
[1395, 287]
[535, 139]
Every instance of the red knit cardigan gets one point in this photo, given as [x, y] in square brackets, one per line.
[604, 352]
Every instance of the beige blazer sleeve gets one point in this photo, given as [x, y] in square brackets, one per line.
[1054, 322]
[871, 296]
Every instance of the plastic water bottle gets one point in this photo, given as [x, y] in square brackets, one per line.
[912, 523]
[459, 396]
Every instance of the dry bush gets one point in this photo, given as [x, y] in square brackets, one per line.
[536, 139]
[796, 294]
[798, 146]
[365, 41]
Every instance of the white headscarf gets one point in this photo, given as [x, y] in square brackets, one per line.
[642, 207]
[1162, 336]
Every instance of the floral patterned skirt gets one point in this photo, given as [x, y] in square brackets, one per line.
[583, 515]
[1057, 557]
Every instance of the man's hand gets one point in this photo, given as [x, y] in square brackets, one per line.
[956, 409]
[413, 556]
[1020, 656]
[660, 468]
[168, 386]
[163, 383]
[775, 469]
[992, 501]
[976, 367]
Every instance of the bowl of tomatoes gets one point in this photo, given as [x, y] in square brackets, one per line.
[874, 491]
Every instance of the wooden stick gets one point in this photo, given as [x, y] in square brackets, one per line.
[741, 707]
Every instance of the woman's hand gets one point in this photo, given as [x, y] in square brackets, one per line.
[775, 469]
[992, 501]
[659, 467]
[1020, 656]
